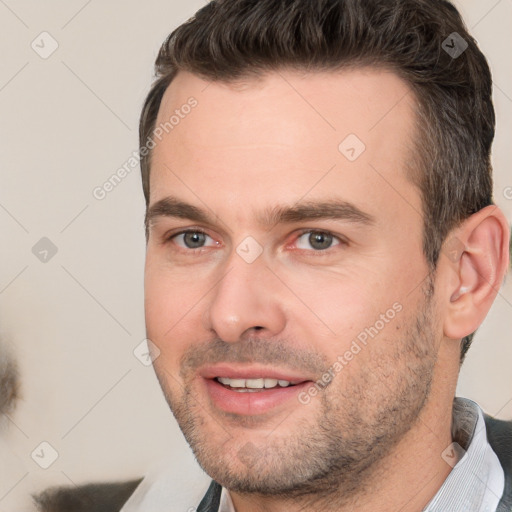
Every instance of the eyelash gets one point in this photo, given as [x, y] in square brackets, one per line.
[341, 241]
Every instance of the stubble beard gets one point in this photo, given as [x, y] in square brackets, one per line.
[359, 419]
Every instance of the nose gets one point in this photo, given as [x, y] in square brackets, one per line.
[245, 302]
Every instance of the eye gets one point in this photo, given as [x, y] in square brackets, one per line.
[317, 240]
[193, 239]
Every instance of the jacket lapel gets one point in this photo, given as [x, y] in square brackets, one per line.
[211, 500]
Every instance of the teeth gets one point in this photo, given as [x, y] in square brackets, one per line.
[253, 383]
[234, 383]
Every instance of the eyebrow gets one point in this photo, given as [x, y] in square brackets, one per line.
[299, 212]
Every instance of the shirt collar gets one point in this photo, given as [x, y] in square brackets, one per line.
[226, 505]
[477, 480]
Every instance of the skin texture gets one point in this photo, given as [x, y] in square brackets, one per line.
[245, 150]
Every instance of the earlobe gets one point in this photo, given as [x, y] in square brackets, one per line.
[479, 271]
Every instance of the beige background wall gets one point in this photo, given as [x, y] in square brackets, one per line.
[68, 122]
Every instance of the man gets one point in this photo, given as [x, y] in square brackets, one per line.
[321, 246]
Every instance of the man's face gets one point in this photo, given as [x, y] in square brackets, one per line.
[305, 264]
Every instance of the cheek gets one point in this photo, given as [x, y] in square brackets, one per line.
[336, 301]
[337, 310]
[172, 309]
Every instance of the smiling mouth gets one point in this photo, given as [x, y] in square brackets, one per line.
[253, 385]
[252, 391]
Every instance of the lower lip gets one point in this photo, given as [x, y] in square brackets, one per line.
[251, 403]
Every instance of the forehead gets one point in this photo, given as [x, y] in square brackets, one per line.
[287, 135]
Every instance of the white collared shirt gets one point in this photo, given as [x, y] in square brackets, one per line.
[477, 481]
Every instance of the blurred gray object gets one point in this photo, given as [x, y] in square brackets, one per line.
[103, 497]
[9, 381]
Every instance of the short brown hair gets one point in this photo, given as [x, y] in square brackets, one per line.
[228, 40]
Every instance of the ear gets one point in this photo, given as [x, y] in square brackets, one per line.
[477, 261]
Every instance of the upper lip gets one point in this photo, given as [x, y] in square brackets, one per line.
[251, 371]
